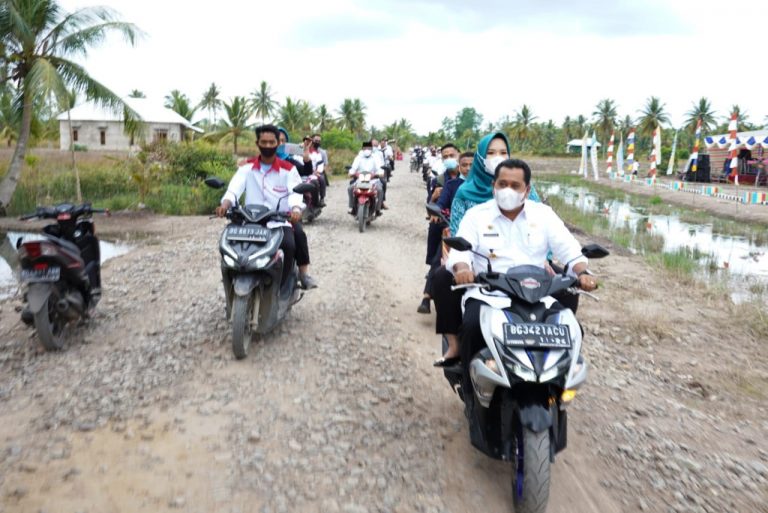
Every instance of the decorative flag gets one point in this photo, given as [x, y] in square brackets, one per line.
[593, 155]
[709, 142]
[750, 143]
[695, 154]
[734, 149]
[631, 151]
[764, 143]
[584, 161]
[620, 156]
[671, 166]
[723, 143]
[655, 153]
[609, 162]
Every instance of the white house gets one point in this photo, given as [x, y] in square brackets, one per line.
[97, 128]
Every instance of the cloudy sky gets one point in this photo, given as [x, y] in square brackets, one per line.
[426, 59]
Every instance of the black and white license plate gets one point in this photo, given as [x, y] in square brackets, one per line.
[40, 275]
[537, 335]
[248, 233]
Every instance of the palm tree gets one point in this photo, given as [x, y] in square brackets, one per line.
[359, 110]
[135, 93]
[307, 116]
[179, 103]
[68, 103]
[211, 102]
[263, 103]
[653, 115]
[522, 125]
[289, 115]
[324, 118]
[626, 123]
[605, 118]
[9, 118]
[348, 119]
[238, 111]
[581, 125]
[742, 118]
[39, 38]
[703, 111]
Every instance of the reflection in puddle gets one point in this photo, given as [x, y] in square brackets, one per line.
[744, 256]
[9, 262]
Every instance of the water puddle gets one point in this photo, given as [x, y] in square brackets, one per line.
[9, 261]
[739, 259]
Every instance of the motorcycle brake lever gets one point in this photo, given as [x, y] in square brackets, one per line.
[574, 290]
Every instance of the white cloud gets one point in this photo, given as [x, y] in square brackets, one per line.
[426, 60]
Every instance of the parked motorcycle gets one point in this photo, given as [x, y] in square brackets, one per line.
[252, 268]
[313, 210]
[525, 377]
[62, 271]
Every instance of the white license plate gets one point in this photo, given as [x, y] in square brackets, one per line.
[537, 335]
[248, 233]
[40, 275]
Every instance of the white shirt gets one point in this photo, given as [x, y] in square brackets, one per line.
[527, 240]
[388, 152]
[266, 186]
[318, 164]
[364, 164]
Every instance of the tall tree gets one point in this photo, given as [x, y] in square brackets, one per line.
[701, 110]
[179, 103]
[324, 118]
[135, 93]
[467, 119]
[605, 119]
[522, 126]
[652, 115]
[263, 103]
[211, 102]
[352, 116]
[290, 116]
[742, 118]
[238, 111]
[39, 38]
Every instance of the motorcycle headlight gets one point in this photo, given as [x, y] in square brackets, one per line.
[261, 261]
[229, 261]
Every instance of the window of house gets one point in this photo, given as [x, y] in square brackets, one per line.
[161, 135]
[74, 135]
[103, 137]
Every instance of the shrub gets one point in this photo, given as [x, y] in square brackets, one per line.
[337, 139]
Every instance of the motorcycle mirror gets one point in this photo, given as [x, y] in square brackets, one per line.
[434, 209]
[347, 167]
[594, 251]
[458, 243]
[215, 183]
[303, 188]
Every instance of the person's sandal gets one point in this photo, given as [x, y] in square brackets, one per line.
[447, 362]
[424, 307]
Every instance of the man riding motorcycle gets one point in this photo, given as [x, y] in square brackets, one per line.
[366, 162]
[269, 180]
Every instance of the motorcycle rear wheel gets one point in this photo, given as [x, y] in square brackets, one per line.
[242, 309]
[531, 472]
[50, 326]
[362, 217]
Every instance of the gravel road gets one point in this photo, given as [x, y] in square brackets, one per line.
[340, 410]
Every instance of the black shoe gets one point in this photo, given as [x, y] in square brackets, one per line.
[322, 203]
[447, 362]
[424, 307]
[27, 317]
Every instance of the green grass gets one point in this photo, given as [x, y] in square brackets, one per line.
[682, 263]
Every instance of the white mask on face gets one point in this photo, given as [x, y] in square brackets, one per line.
[492, 163]
[508, 198]
[367, 153]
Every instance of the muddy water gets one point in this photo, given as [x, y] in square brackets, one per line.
[9, 262]
[741, 261]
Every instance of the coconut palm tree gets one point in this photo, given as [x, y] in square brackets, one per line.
[211, 102]
[238, 111]
[39, 38]
[324, 118]
[290, 115]
[135, 93]
[522, 125]
[652, 115]
[742, 118]
[307, 117]
[359, 109]
[68, 103]
[352, 116]
[9, 116]
[263, 103]
[701, 110]
[179, 103]
[605, 118]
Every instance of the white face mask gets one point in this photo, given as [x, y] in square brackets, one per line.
[508, 198]
[492, 163]
[367, 153]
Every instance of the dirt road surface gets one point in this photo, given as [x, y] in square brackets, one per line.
[146, 410]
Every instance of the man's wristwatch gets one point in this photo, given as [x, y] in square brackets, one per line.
[585, 271]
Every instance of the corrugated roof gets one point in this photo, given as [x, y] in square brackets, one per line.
[149, 111]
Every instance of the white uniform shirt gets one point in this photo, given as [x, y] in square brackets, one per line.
[365, 164]
[266, 187]
[318, 164]
[388, 152]
[527, 240]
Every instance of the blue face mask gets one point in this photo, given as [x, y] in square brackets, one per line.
[281, 154]
[450, 164]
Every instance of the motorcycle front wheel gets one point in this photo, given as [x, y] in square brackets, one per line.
[362, 217]
[50, 326]
[530, 479]
[242, 313]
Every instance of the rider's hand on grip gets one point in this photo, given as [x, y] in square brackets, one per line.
[463, 275]
[587, 282]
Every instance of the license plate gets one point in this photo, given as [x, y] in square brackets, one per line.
[537, 335]
[248, 233]
[40, 275]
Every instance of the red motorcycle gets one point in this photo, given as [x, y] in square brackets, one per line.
[367, 205]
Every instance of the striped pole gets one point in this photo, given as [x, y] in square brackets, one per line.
[652, 171]
[609, 167]
[631, 151]
[734, 155]
[695, 154]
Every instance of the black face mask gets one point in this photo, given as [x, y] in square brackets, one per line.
[316, 145]
[267, 152]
